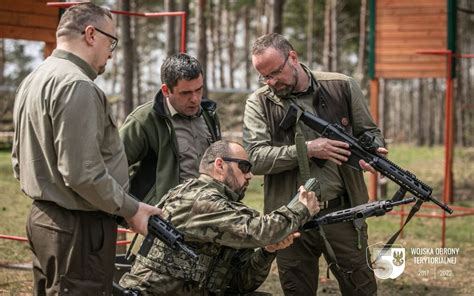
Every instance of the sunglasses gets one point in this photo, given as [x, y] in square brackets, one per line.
[244, 165]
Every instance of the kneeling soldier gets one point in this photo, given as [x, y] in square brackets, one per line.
[224, 231]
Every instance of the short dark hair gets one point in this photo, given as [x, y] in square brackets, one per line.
[274, 40]
[177, 67]
[79, 16]
[215, 150]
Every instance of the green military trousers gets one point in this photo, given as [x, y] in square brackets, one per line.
[298, 264]
[73, 251]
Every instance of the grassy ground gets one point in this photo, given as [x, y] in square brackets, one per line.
[417, 279]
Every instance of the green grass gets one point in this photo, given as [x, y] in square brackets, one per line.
[426, 163]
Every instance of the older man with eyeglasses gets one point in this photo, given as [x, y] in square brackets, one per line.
[69, 158]
[224, 231]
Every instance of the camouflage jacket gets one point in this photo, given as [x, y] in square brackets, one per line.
[224, 232]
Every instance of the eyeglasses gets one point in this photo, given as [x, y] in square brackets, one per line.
[114, 40]
[244, 165]
[263, 79]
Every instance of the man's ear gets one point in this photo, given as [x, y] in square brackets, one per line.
[89, 35]
[293, 56]
[165, 90]
[219, 166]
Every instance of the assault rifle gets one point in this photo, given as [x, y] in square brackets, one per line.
[164, 231]
[378, 208]
[365, 148]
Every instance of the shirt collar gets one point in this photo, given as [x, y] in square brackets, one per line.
[83, 65]
[221, 187]
[310, 89]
[172, 111]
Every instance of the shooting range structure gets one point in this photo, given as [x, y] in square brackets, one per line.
[416, 39]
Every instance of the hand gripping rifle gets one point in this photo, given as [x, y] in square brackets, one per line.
[378, 208]
[364, 148]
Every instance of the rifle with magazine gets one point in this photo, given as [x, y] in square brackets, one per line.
[365, 148]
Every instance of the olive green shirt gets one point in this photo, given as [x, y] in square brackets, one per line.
[66, 148]
[193, 138]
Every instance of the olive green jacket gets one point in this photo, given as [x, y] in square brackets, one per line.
[152, 150]
[272, 150]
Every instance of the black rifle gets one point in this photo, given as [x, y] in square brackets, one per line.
[164, 231]
[378, 208]
[118, 290]
[364, 148]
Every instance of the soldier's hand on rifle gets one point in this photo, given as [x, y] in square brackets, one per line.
[139, 222]
[367, 167]
[309, 200]
[285, 243]
[324, 148]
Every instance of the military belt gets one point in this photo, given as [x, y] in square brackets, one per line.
[333, 203]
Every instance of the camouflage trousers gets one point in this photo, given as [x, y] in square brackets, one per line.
[298, 264]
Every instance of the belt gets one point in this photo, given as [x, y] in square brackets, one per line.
[333, 203]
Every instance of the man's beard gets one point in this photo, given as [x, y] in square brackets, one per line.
[101, 70]
[289, 88]
[231, 182]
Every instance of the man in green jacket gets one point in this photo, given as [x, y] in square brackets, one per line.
[69, 159]
[165, 138]
[288, 157]
[209, 212]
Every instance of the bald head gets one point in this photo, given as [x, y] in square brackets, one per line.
[219, 149]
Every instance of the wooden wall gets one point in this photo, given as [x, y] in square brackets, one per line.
[403, 27]
[30, 20]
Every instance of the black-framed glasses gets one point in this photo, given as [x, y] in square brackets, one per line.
[114, 40]
[263, 79]
[244, 165]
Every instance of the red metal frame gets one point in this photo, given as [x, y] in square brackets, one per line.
[24, 239]
[181, 14]
[448, 154]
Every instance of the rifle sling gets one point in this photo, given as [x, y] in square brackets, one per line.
[416, 207]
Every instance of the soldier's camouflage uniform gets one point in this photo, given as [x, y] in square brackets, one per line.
[224, 232]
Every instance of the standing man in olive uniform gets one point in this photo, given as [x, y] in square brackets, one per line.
[69, 159]
[165, 138]
[209, 212]
[338, 99]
